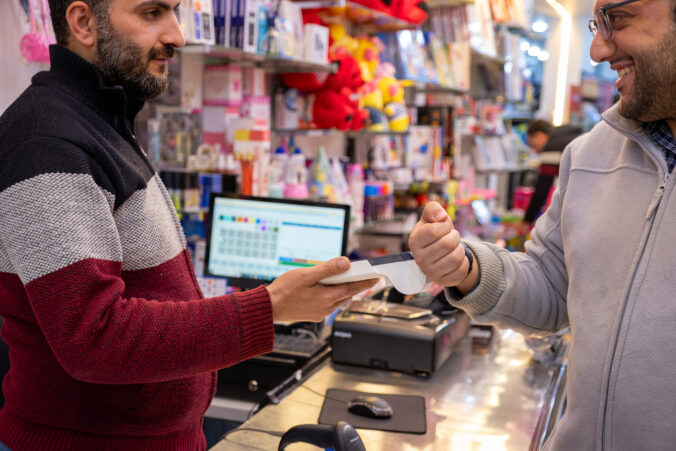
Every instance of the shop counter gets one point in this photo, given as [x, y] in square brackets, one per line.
[497, 400]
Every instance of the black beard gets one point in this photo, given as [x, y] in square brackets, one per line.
[653, 96]
[123, 63]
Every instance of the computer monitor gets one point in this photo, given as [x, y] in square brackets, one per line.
[253, 240]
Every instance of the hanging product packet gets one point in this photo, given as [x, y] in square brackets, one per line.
[34, 45]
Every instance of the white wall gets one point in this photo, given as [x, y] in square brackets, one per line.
[15, 72]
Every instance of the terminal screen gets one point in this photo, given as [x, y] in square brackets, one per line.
[261, 239]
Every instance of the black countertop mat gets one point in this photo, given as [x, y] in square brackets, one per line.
[408, 412]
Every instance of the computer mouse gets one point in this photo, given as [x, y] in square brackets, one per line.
[370, 406]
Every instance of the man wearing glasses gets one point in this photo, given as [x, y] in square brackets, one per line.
[603, 257]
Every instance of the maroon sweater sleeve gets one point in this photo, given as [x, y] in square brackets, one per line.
[112, 290]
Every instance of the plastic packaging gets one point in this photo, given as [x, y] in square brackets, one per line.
[280, 160]
[355, 181]
[320, 188]
[296, 176]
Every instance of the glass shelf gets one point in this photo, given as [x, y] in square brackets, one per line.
[273, 64]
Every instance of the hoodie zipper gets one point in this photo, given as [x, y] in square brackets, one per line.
[650, 218]
[657, 198]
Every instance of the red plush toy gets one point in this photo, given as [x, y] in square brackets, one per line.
[332, 110]
[335, 98]
[407, 10]
[377, 5]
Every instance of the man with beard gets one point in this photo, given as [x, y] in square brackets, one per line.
[603, 257]
[112, 344]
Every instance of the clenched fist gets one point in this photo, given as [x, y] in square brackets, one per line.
[436, 247]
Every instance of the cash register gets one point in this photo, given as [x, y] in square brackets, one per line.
[414, 337]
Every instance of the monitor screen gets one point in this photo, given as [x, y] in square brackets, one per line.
[255, 239]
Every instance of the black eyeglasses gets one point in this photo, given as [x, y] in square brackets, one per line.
[601, 22]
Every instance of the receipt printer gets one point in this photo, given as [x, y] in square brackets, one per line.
[396, 337]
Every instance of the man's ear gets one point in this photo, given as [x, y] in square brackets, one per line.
[81, 24]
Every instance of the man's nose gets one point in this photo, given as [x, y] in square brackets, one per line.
[602, 50]
[173, 34]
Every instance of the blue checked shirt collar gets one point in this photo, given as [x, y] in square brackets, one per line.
[661, 133]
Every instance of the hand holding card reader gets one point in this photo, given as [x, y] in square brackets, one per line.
[399, 269]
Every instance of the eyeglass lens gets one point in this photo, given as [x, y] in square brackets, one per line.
[592, 27]
[602, 24]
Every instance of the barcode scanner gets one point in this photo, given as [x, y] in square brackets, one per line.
[341, 436]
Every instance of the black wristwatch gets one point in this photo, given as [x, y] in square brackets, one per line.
[469, 256]
[453, 291]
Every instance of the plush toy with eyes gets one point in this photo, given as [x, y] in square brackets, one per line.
[372, 101]
[393, 99]
[335, 102]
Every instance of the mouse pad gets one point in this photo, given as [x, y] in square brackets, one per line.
[408, 412]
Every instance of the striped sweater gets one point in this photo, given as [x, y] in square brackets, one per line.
[112, 344]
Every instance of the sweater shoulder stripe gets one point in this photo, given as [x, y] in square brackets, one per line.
[53, 220]
[47, 154]
[149, 229]
[5, 262]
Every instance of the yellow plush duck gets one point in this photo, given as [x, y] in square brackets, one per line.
[393, 99]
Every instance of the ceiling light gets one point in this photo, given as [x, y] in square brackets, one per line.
[525, 45]
[564, 55]
[540, 26]
[474, 27]
[544, 55]
[534, 51]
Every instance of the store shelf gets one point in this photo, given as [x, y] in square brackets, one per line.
[193, 210]
[366, 133]
[365, 18]
[178, 169]
[518, 117]
[331, 131]
[433, 88]
[306, 131]
[401, 224]
[271, 64]
[482, 58]
[506, 169]
[433, 186]
[482, 194]
[441, 3]
[521, 31]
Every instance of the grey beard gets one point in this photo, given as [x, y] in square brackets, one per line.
[123, 63]
[653, 98]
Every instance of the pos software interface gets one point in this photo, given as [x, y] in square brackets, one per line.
[254, 239]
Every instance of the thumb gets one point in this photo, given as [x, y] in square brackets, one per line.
[329, 268]
[433, 212]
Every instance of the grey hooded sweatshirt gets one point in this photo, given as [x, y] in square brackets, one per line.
[602, 261]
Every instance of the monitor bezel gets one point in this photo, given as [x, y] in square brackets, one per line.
[248, 283]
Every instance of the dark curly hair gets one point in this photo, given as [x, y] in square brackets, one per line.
[538, 125]
[58, 13]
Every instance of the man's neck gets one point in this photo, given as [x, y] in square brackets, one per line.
[83, 52]
[672, 125]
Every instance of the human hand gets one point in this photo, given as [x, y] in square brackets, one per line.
[436, 247]
[297, 295]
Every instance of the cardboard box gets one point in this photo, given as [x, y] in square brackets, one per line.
[223, 85]
[316, 43]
